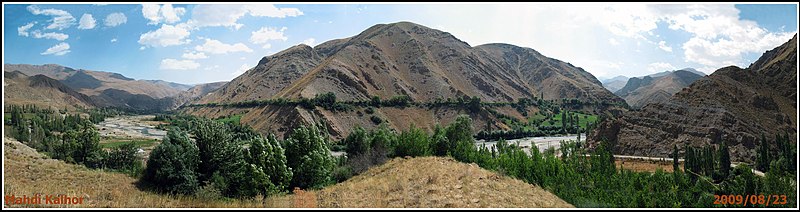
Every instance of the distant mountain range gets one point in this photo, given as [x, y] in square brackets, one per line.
[732, 105]
[60, 86]
[616, 83]
[659, 87]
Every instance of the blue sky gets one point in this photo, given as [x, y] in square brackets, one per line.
[212, 42]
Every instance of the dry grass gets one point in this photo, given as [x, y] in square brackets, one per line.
[644, 165]
[433, 182]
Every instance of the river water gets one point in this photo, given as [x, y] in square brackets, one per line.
[543, 143]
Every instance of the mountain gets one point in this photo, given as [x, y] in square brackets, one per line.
[19, 88]
[659, 87]
[174, 85]
[404, 58]
[196, 92]
[732, 105]
[616, 83]
[102, 89]
[95, 82]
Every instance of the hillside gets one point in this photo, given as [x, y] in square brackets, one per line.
[433, 182]
[388, 60]
[41, 90]
[734, 105]
[659, 87]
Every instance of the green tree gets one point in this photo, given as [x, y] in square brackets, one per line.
[268, 157]
[413, 142]
[357, 142]
[675, 161]
[211, 137]
[173, 163]
[724, 160]
[309, 158]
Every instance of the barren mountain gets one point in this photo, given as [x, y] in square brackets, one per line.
[639, 92]
[107, 89]
[93, 83]
[19, 88]
[402, 58]
[616, 83]
[732, 105]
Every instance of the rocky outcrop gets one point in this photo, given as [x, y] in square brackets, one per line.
[732, 105]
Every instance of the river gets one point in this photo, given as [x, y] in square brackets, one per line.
[543, 143]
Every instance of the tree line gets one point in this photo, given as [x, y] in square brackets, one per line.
[71, 137]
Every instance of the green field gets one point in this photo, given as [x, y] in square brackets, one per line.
[231, 119]
[583, 119]
[115, 142]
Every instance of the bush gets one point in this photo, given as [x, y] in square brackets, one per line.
[376, 120]
[172, 164]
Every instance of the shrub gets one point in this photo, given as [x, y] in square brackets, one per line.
[124, 158]
[376, 120]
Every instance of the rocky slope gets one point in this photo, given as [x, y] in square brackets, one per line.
[640, 91]
[732, 105]
[402, 58]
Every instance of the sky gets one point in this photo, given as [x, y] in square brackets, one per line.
[201, 43]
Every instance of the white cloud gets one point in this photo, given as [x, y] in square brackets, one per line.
[58, 49]
[209, 68]
[23, 30]
[167, 35]
[194, 55]
[663, 46]
[217, 47]
[659, 67]
[309, 41]
[50, 35]
[165, 13]
[61, 19]
[173, 64]
[113, 40]
[265, 34]
[227, 15]
[87, 22]
[241, 70]
[115, 19]
[266, 46]
[613, 42]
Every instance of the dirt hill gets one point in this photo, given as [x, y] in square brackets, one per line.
[433, 182]
[732, 105]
